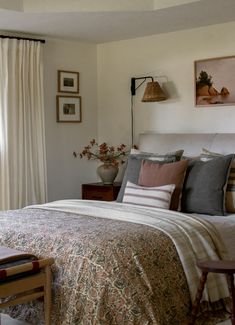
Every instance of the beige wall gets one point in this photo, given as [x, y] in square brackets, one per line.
[170, 54]
[65, 173]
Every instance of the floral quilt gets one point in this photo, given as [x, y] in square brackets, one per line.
[106, 271]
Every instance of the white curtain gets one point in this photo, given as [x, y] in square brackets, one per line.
[22, 130]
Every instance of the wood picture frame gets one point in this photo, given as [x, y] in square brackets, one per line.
[69, 109]
[68, 81]
[215, 81]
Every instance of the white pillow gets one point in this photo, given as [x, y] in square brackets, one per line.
[155, 197]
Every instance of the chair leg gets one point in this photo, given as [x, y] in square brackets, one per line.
[47, 296]
[230, 280]
[198, 298]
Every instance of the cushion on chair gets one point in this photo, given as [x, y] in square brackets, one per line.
[11, 257]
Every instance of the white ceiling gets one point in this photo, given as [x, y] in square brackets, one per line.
[110, 20]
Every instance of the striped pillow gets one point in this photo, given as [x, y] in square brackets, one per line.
[154, 197]
[134, 164]
[230, 190]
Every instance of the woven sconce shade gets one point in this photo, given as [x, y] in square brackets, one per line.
[153, 92]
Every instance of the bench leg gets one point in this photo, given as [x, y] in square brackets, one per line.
[47, 296]
[198, 298]
[230, 280]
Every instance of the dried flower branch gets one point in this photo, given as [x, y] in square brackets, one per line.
[103, 152]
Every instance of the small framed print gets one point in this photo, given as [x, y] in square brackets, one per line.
[68, 82]
[69, 109]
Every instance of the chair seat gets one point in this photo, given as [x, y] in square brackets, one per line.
[226, 267]
[24, 278]
[220, 266]
[19, 275]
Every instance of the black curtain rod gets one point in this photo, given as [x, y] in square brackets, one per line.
[24, 38]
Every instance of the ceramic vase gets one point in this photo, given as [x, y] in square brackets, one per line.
[107, 172]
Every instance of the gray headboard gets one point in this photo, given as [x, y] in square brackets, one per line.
[192, 143]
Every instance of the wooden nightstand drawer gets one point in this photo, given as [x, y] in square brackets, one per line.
[101, 192]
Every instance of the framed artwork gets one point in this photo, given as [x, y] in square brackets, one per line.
[69, 109]
[68, 81]
[215, 81]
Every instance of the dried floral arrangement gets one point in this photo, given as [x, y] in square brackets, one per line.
[104, 153]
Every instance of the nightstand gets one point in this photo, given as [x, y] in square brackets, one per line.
[101, 192]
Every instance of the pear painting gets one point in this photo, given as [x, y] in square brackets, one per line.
[215, 82]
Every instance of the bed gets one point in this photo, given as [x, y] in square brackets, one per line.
[123, 264]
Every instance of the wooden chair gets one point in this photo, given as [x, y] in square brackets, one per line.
[220, 266]
[27, 282]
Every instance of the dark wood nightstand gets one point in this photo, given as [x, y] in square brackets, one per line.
[101, 192]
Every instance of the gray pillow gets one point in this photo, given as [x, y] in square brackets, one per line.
[205, 185]
[134, 164]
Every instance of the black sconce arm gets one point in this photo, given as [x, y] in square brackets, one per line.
[133, 83]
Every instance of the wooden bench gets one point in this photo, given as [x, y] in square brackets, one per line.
[25, 282]
[220, 266]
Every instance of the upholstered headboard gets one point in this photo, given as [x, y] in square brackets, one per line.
[192, 143]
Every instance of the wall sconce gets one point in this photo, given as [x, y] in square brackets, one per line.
[153, 93]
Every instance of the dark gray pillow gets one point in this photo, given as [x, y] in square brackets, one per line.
[205, 185]
[134, 164]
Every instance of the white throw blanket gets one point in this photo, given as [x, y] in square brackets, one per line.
[193, 238]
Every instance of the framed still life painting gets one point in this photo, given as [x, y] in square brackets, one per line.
[215, 81]
[69, 109]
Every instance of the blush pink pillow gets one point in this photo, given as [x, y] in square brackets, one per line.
[152, 174]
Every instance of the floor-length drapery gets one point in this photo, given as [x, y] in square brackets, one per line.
[22, 129]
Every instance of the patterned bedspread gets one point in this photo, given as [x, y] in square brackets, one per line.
[107, 271]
